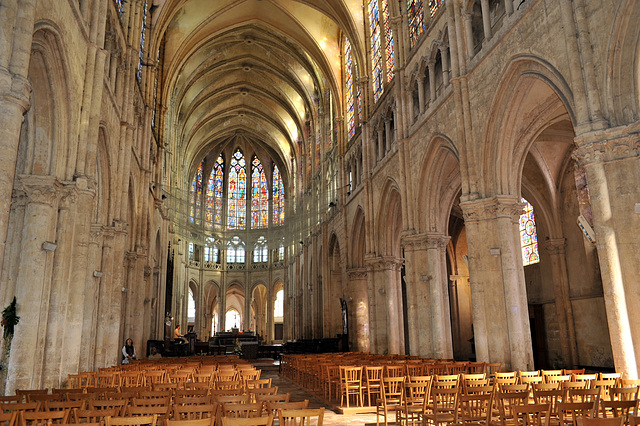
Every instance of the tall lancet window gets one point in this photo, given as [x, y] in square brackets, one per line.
[388, 37]
[214, 195]
[144, 24]
[259, 195]
[415, 15]
[382, 57]
[237, 193]
[528, 235]
[195, 197]
[278, 197]
[349, 89]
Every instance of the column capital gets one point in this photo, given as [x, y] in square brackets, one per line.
[501, 206]
[603, 146]
[384, 263]
[357, 274]
[425, 241]
[554, 245]
[39, 189]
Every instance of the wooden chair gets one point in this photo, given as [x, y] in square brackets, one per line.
[162, 412]
[476, 368]
[302, 417]
[533, 414]
[190, 392]
[623, 394]
[44, 397]
[443, 407]
[618, 409]
[506, 402]
[549, 373]
[257, 384]
[9, 399]
[232, 399]
[262, 391]
[412, 369]
[570, 412]
[63, 405]
[332, 384]
[550, 397]
[150, 402]
[583, 395]
[243, 410]
[44, 418]
[391, 399]
[475, 409]
[373, 382]
[492, 367]
[394, 371]
[256, 421]
[414, 404]
[152, 377]
[351, 385]
[130, 421]
[155, 394]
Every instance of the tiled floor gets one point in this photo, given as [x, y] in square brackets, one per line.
[331, 418]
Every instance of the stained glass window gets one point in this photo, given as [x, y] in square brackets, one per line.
[211, 254]
[119, 6]
[144, 24]
[528, 235]
[235, 251]
[196, 197]
[415, 14]
[259, 195]
[260, 252]
[237, 192]
[388, 36]
[376, 50]
[217, 174]
[349, 89]
[434, 5]
[278, 197]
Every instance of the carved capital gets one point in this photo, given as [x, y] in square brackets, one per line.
[554, 246]
[608, 145]
[356, 274]
[39, 189]
[385, 263]
[502, 206]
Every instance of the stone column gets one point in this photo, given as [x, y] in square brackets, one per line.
[555, 248]
[387, 325]
[486, 19]
[428, 296]
[498, 292]
[358, 302]
[611, 159]
[468, 32]
[432, 80]
[33, 283]
[421, 93]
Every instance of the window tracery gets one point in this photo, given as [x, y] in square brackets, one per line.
[278, 197]
[415, 16]
[237, 206]
[195, 197]
[259, 196]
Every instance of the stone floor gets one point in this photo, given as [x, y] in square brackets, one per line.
[331, 418]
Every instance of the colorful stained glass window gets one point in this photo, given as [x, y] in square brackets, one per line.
[195, 197]
[388, 37]
[349, 88]
[415, 15]
[144, 25]
[278, 197]
[434, 6]
[218, 191]
[376, 50]
[237, 192]
[119, 6]
[259, 195]
[528, 236]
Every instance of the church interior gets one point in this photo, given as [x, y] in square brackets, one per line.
[445, 179]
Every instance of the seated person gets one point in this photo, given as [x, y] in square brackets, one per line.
[154, 354]
[179, 338]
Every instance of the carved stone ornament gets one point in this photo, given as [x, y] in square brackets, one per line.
[608, 145]
[502, 206]
[356, 274]
[39, 189]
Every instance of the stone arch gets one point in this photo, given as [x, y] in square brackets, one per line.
[259, 305]
[194, 288]
[526, 81]
[101, 170]
[389, 220]
[358, 238]
[441, 181]
[332, 320]
[211, 307]
[235, 299]
[45, 147]
[621, 92]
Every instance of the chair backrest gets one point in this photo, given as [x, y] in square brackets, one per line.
[506, 402]
[101, 404]
[623, 394]
[302, 417]
[255, 421]
[492, 367]
[476, 409]
[193, 400]
[551, 397]
[617, 408]
[44, 417]
[150, 402]
[570, 412]
[11, 398]
[614, 421]
[235, 399]
[19, 406]
[533, 414]
[273, 398]
[393, 371]
[131, 421]
[392, 390]
[273, 407]
[63, 405]
[191, 392]
[583, 395]
[92, 416]
[192, 412]
[244, 410]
